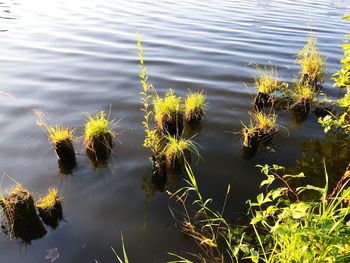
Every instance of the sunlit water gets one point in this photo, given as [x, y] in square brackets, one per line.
[70, 58]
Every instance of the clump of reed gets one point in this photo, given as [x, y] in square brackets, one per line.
[98, 136]
[50, 208]
[23, 221]
[266, 83]
[311, 62]
[195, 107]
[261, 128]
[168, 113]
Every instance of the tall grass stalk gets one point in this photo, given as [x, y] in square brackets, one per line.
[152, 139]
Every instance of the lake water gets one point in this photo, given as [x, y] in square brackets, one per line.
[70, 58]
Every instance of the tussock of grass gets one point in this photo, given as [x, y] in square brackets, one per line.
[194, 105]
[311, 62]
[97, 125]
[18, 193]
[50, 200]
[303, 92]
[170, 106]
[59, 134]
[176, 148]
[267, 82]
[264, 122]
[260, 129]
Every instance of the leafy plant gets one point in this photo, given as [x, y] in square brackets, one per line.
[342, 77]
[153, 140]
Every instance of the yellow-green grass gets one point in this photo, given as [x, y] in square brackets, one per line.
[49, 201]
[169, 107]
[59, 134]
[263, 121]
[311, 62]
[260, 126]
[303, 92]
[177, 148]
[267, 82]
[97, 126]
[194, 105]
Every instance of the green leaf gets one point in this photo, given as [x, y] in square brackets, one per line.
[299, 210]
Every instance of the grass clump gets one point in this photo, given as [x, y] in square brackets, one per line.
[265, 122]
[62, 138]
[177, 151]
[49, 201]
[311, 62]
[58, 134]
[98, 136]
[267, 82]
[50, 208]
[302, 96]
[261, 129]
[23, 221]
[194, 106]
[168, 113]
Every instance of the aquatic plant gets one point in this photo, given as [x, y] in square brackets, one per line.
[194, 106]
[98, 136]
[23, 221]
[302, 97]
[178, 150]
[50, 207]
[62, 138]
[168, 113]
[261, 128]
[311, 62]
[153, 139]
[165, 141]
[267, 81]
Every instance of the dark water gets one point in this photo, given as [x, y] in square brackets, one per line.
[70, 58]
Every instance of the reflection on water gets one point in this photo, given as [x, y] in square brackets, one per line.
[66, 167]
[331, 153]
[152, 184]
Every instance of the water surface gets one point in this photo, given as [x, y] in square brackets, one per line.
[70, 58]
